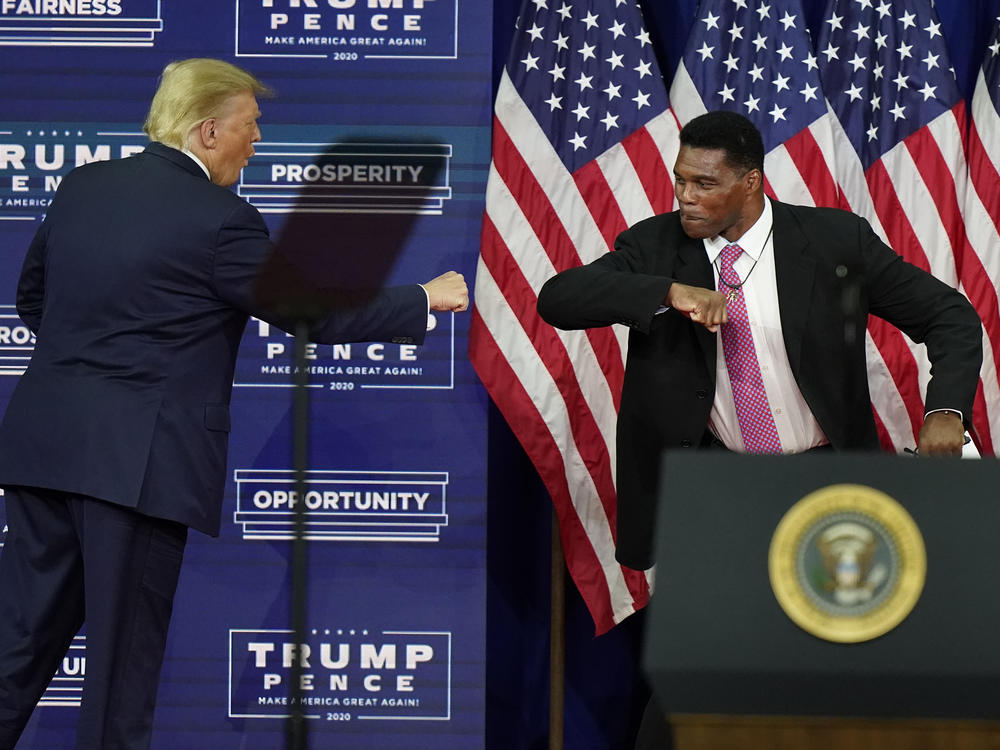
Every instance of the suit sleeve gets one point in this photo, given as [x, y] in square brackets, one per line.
[31, 284]
[932, 313]
[251, 275]
[615, 288]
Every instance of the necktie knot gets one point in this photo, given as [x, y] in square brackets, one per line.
[729, 255]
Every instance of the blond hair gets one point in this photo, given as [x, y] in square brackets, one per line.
[192, 91]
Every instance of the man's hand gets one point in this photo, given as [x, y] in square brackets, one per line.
[704, 306]
[448, 292]
[941, 435]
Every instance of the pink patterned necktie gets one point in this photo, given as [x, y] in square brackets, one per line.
[752, 409]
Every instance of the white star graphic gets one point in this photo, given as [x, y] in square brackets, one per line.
[785, 52]
[808, 92]
[554, 102]
[710, 21]
[751, 103]
[610, 121]
[928, 91]
[578, 141]
[641, 100]
[854, 92]
[726, 93]
[777, 113]
[581, 112]
[530, 63]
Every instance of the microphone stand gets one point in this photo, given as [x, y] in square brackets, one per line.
[297, 737]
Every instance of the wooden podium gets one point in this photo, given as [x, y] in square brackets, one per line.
[733, 670]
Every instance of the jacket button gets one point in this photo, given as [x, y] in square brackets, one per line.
[685, 443]
[701, 393]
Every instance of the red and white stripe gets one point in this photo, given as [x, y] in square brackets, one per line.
[980, 263]
[559, 390]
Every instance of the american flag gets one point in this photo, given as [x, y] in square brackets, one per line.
[887, 76]
[583, 146]
[756, 57]
[982, 217]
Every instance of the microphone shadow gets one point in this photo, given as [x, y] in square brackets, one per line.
[356, 206]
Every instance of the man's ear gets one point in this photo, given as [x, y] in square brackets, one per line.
[206, 131]
[754, 180]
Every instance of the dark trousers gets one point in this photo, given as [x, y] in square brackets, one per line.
[69, 558]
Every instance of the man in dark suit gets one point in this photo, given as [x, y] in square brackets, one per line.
[786, 379]
[138, 285]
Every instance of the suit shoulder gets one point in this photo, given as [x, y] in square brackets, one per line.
[658, 225]
[821, 222]
[818, 214]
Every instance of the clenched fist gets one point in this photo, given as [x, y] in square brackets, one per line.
[448, 292]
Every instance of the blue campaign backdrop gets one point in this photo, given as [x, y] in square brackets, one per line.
[405, 92]
[375, 151]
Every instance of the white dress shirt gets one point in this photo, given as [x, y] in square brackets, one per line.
[797, 428]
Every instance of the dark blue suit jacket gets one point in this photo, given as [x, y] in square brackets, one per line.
[138, 285]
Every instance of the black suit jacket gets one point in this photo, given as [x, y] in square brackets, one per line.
[139, 284]
[669, 381]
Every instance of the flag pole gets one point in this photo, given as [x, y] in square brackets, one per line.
[557, 639]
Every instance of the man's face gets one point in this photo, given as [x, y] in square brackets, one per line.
[712, 195]
[235, 133]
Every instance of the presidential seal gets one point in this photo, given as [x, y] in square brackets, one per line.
[847, 563]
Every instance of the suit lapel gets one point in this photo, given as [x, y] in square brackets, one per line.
[794, 273]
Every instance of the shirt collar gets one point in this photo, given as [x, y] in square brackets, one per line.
[201, 164]
[752, 241]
